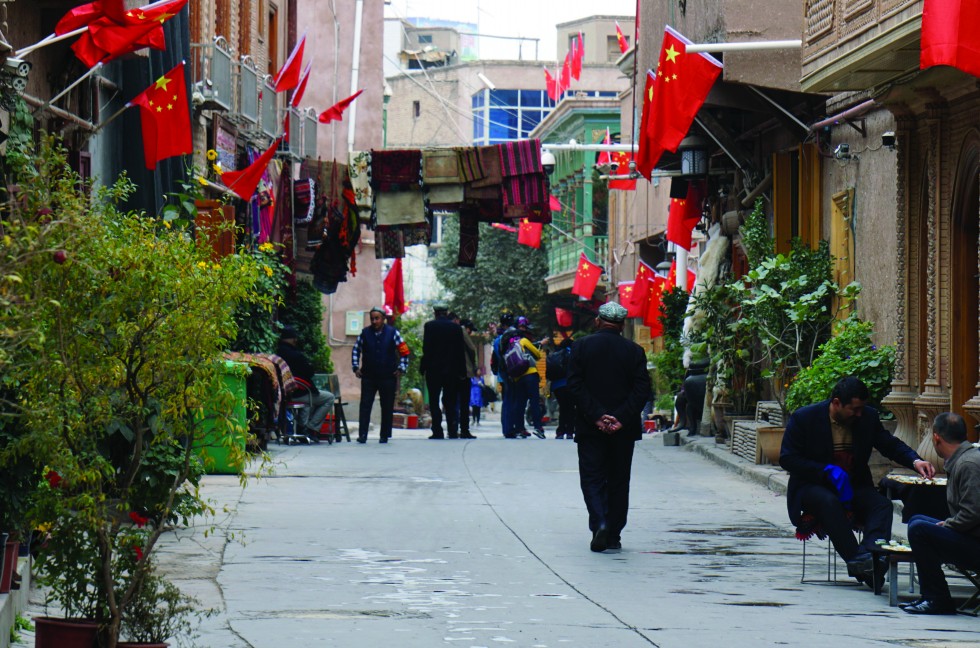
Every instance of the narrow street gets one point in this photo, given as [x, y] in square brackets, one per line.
[484, 543]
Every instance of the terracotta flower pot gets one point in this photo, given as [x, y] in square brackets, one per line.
[9, 565]
[769, 441]
[64, 633]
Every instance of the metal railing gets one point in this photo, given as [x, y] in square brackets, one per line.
[269, 108]
[247, 101]
[211, 70]
[310, 124]
[563, 253]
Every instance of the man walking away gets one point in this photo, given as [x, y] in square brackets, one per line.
[444, 367]
[609, 383]
[464, 387]
[380, 355]
[500, 371]
[557, 374]
[955, 540]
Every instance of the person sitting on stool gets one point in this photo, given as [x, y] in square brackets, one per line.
[826, 448]
[955, 540]
[308, 419]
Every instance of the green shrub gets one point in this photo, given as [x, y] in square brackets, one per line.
[305, 313]
[849, 353]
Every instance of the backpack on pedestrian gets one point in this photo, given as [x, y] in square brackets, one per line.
[556, 366]
[516, 359]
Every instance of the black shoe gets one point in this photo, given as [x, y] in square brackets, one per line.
[510, 436]
[539, 433]
[902, 606]
[559, 436]
[860, 568]
[437, 436]
[362, 439]
[600, 540]
[466, 435]
[931, 607]
[383, 440]
[614, 543]
[691, 433]
[524, 434]
[453, 436]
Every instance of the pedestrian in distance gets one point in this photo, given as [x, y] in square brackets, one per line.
[955, 540]
[826, 448]
[525, 380]
[379, 357]
[609, 383]
[469, 349]
[319, 402]
[476, 396]
[500, 372]
[556, 370]
[443, 365]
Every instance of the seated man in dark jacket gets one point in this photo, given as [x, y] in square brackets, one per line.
[319, 401]
[825, 450]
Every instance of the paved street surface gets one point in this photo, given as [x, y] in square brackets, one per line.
[485, 543]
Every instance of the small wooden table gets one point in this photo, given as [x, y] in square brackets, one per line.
[893, 558]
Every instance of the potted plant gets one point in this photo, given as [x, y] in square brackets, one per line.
[119, 382]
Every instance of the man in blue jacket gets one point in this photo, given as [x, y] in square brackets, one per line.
[379, 357]
[825, 450]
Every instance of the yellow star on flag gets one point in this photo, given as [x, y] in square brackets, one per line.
[163, 81]
[671, 53]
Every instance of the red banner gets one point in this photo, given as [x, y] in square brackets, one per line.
[586, 278]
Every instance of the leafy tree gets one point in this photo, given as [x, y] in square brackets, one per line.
[507, 278]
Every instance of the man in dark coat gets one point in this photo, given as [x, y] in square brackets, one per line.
[826, 448]
[379, 357]
[320, 401]
[609, 383]
[444, 366]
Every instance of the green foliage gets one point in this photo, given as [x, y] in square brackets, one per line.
[305, 314]
[756, 241]
[119, 359]
[787, 305]
[507, 278]
[257, 328]
[161, 612]
[849, 353]
[673, 309]
[410, 327]
[667, 368]
[20, 623]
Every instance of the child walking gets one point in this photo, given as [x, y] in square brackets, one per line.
[476, 396]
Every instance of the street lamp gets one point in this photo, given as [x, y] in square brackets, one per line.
[694, 156]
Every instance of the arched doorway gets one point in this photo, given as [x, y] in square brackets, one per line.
[965, 339]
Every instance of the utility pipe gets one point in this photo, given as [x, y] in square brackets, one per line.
[355, 65]
[756, 46]
[854, 111]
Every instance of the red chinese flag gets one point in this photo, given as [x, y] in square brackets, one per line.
[336, 111]
[692, 277]
[288, 76]
[301, 89]
[641, 288]
[681, 85]
[564, 317]
[506, 228]
[554, 203]
[165, 117]
[565, 81]
[578, 53]
[685, 213]
[529, 233]
[586, 278]
[551, 85]
[951, 35]
[647, 152]
[245, 181]
[623, 159]
[623, 44]
[84, 14]
[626, 298]
[394, 286]
[107, 38]
[651, 317]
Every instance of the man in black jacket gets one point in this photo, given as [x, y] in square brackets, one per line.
[826, 448]
[319, 401]
[444, 366]
[609, 383]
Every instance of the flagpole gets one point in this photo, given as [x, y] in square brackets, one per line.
[48, 40]
[105, 123]
[93, 70]
[743, 47]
